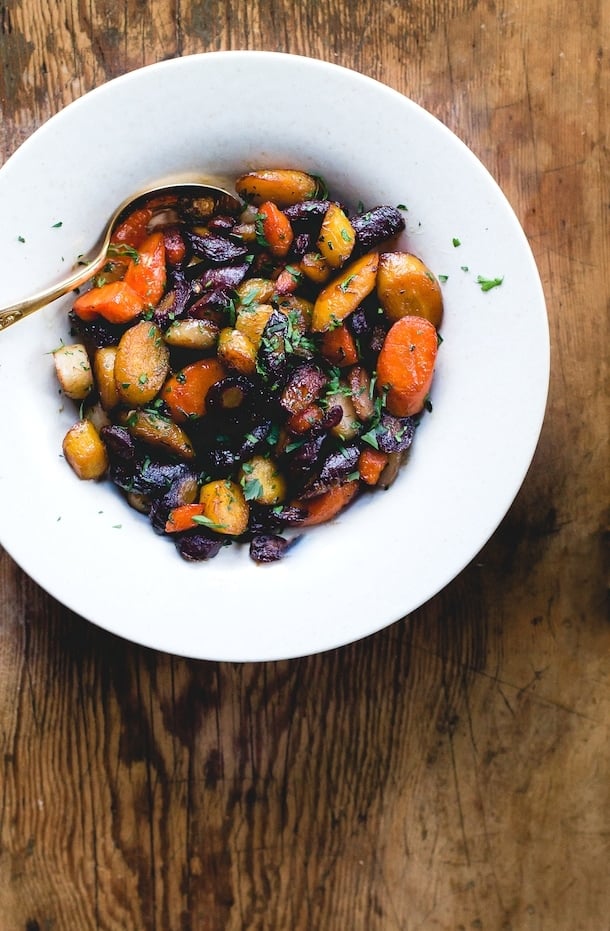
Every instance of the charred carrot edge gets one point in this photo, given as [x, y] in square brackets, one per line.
[371, 464]
[181, 518]
[276, 228]
[327, 505]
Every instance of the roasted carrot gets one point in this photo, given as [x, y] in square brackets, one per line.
[344, 293]
[225, 506]
[175, 247]
[339, 346]
[304, 420]
[181, 518]
[371, 464]
[405, 366]
[327, 505]
[147, 275]
[276, 228]
[116, 301]
[286, 282]
[134, 228]
[185, 392]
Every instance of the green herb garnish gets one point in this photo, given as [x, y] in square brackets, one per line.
[253, 488]
[207, 522]
[488, 283]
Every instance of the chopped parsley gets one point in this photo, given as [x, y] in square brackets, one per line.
[253, 488]
[456, 242]
[122, 249]
[207, 522]
[488, 283]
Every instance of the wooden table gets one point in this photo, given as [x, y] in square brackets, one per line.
[450, 772]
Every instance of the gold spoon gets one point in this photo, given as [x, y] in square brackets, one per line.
[223, 200]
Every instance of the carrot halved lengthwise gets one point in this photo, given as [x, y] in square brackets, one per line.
[327, 505]
[147, 275]
[116, 301]
[185, 392]
[133, 230]
[276, 228]
[405, 366]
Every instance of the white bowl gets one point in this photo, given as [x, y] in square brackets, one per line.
[220, 114]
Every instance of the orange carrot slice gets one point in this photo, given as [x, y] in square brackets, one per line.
[339, 347]
[185, 392]
[276, 228]
[134, 228]
[405, 365]
[181, 518]
[116, 301]
[327, 505]
[147, 276]
[371, 464]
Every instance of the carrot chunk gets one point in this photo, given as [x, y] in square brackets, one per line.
[181, 518]
[116, 301]
[147, 275]
[327, 505]
[371, 464]
[406, 364]
[276, 228]
[339, 347]
[185, 392]
[175, 246]
[134, 228]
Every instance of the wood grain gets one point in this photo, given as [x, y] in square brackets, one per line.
[450, 772]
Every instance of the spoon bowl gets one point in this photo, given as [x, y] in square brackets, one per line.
[93, 263]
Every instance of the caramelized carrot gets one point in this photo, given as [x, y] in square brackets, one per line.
[181, 517]
[406, 364]
[147, 275]
[175, 247]
[339, 346]
[185, 392]
[302, 421]
[327, 505]
[286, 282]
[371, 464]
[116, 301]
[276, 228]
[134, 228]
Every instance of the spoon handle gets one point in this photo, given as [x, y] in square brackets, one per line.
[15, 312]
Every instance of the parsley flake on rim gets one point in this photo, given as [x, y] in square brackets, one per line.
[487, 284]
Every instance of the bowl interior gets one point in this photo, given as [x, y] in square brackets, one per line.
[216, 115]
